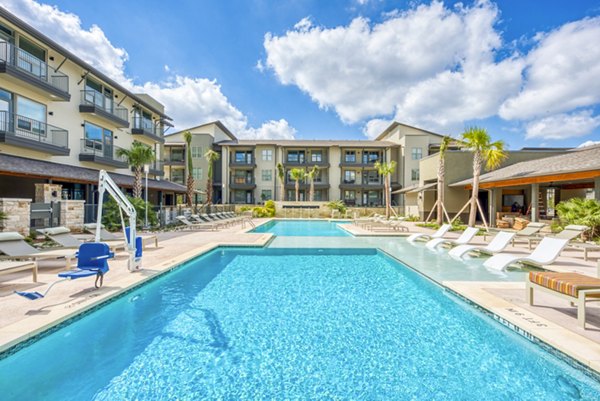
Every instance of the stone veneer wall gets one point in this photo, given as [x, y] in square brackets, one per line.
[46, 193]
[18, 214]
[71, 214]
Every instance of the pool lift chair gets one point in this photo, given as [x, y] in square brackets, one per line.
[92, 258]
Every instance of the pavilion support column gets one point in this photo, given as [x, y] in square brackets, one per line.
[597, 188]
[535, 194]
[492, 201]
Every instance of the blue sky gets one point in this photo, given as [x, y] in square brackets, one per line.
[307, 87]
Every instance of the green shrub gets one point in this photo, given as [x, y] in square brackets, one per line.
[245, 208]
[411, 217]
[111, 217]
[582, 212]
[338, 205]
[266, 211]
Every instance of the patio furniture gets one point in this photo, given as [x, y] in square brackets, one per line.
[545, 253]
[425, 237]
[497, 244]
[13, 245]
[8, 266]
[63, 237]
[464, 239]
[196, 226]
[106, 235]
[575, 288]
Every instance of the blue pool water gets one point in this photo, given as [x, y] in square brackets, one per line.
[303, 228]
[250, 324]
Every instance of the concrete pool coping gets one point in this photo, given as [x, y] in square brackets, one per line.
[49, 313]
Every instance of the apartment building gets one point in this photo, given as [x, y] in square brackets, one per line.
[62, 120]
[247, 171]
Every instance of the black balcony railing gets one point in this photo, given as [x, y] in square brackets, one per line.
[242, 180]
[92, 147]
[24, 61]
[33, 130]
[90, 97]
[157, 166]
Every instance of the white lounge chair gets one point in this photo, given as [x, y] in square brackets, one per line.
[497, 244]
[196, 226]
[438, 234]
[464, 238]
[544, 254]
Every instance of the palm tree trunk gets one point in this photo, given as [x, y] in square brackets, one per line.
[476, 172]
[209, 192]
[312, 189]
[440, 190]
[282, 191]
[190, 190]
[137, 183]
[388, 199]
[297, 190]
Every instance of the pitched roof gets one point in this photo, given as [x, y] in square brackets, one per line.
[218, 123]
[395, 124]
[571, 161]
[310, 143]
[43, 169]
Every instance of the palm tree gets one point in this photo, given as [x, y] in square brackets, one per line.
[187, 136]
[281, 175]
[478, 141]
[137, 157]
[386, 170]
[311, 176]
[211, 156]
[441, 177]
[297, 174]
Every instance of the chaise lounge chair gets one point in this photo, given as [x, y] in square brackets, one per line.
[575, 288]
[425, 237]
[7, 267]
[529, 234]
[545, 253]
[63, 237]
[497, 244]
[13, 245]
[196, 226]
[106, 235]
[464, 239]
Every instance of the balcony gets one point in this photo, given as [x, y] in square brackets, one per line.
[242, 183]
[290, 184]
[96, 103]
[24, 132]
[97, 152]
[145, 127]
[157, 168]
[364, 185]
[242, 164]
[19, 66]
[174, 160]
[323, 163]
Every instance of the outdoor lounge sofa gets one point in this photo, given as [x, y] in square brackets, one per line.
[497, 244]
[575, 288]
[10, 266]
[426, 237]
[545, 253]
[13, 245]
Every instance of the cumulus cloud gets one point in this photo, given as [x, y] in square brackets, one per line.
[375, 127]
[189, 100]
[589, 143]
[561, 126]
[429, 65]
[562, 72]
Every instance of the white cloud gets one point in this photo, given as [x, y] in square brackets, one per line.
[563, 72]
[429, 65]
[189, 100]
[589, 143]
[562, 126]
[375, 127]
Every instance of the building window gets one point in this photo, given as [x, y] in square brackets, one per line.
[414, 174]
[316, 156]
[370, 157]
[197, 173]
[267, 154]
[177, 175]
[417, 153]
[349, 177]
[98, 139]
[197, 152]
[350, 156]
[243, 157]
[266, 194]
[31, 116]
[267, 175]
[371, 177]
[349, 195]
[295, 156]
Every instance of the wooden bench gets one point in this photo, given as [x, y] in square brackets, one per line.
[575, 288]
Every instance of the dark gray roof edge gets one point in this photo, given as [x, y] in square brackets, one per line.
[51, 43]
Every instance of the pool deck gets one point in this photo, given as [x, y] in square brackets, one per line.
[551, 319]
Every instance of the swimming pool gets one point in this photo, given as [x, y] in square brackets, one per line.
[303, 228]
[272, 323]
